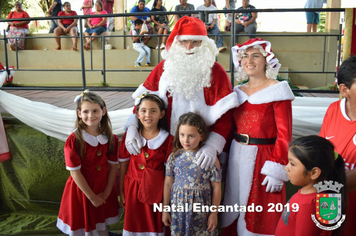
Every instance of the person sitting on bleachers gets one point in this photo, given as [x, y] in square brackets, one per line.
[161, 22]
[141, 7]
[17, 29]
[183, 6]
[246, 21]
[66, 26]
[96, 26]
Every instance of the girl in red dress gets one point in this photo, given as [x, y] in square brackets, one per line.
[91, 153]
[311, 160]
[142, 176]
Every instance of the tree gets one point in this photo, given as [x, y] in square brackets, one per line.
[44, 5]
[7, 5]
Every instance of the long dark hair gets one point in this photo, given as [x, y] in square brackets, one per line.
[162, 123]
[105, 123]
[315, 151]
[190, 119]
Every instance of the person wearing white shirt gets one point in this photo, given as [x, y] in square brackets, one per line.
[211, 25]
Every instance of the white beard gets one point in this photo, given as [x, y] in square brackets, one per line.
[186, 74]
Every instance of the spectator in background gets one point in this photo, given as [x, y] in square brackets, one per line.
[53, 10]
[96, 26]
[161, 22]
[313, 17]
[183, 6]
[139, 44]
[211, 26]
[246, 21]
[17, 29]
[141, 7]
[109, 7]
[66, 26]
[87, 9]
[229, 5]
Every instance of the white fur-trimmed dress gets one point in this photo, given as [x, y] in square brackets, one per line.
[265, 114]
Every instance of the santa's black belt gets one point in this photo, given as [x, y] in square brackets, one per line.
[246, 140]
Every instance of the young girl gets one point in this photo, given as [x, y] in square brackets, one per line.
[311, 160]
[142, 176]
[91, 153]
[186, 184]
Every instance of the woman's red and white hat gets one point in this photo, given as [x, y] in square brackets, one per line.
[266, 45]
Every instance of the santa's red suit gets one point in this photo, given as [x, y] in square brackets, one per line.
[213, 103]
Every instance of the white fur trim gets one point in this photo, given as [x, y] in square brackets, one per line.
[277, 92]
[131, 121]
[239, 178]
[216, 141]
[143, 90]
[191, 37]
[157, 141]
[275, 170]
[198, 105]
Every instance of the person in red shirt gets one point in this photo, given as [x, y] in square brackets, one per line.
[17, 29]
[311, 159]
[339, 126]
[66, 26]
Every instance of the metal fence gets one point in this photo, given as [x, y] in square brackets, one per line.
[202, 15]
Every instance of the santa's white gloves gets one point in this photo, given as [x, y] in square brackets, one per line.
[206, 156]
[273, 185]
[133, 141]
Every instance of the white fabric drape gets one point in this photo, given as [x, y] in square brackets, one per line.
[308, 114]
[51, 120]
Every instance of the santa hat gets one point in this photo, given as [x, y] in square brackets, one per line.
[187, 28]
[266, 45]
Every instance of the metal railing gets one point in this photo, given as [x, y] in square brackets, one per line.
[202, 15]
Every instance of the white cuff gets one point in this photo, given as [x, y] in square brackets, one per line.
[216, 141]
[275, 170]
[131, 121]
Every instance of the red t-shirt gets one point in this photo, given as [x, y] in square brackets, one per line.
[341, 131]
[21, 14]
[67, 21]
[95, 21]
[300, 223]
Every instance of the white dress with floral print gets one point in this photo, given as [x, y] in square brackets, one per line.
[191, 187]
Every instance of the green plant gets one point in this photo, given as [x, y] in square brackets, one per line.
[321, 25]
[104, 84]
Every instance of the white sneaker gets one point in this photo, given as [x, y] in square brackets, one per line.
[163, 46]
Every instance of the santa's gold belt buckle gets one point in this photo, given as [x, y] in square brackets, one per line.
[247, 139]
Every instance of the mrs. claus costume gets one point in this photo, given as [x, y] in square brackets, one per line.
[211, 102]
[265, 116]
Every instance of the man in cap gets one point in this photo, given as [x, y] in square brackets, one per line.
[189, 79]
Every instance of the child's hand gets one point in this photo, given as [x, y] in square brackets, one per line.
[212, 222]
[166, 218]
[104, 195]
[122, 199]
[97, 200]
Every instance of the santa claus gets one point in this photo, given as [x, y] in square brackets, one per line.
[189, 79]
